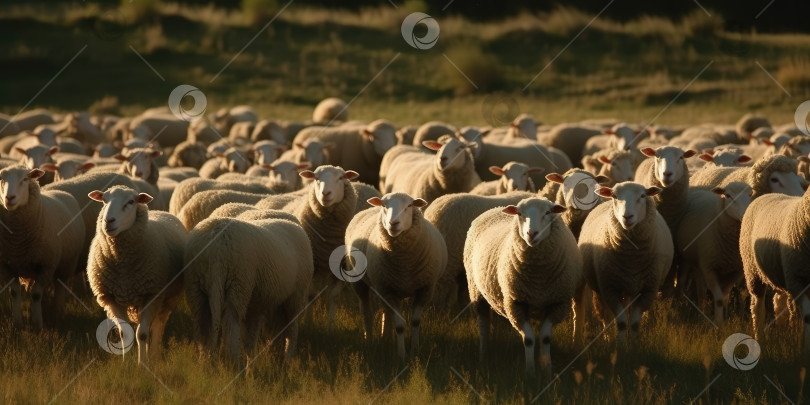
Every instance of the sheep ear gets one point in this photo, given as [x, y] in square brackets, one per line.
[367, 134]
[351, 175]
[303, 166]
[649, 152]
[432, 145]
[510, 209]
[709, 151]
[606, 192]
[719, 191]
[307, 174]
[35, 173]
[513, 125]
[743, 159]
[120, 157]
[87, 166]
[689, 153]
[604, 159]
[555, 177]
[485, 133]
[638, 132]
[557, 209]
[418, 202]
[496, 170]
[536, 170]
[767, 142]
[652, 191]
[144, 198]
[610, 132]
[155, 154]
[270, 167]
[96, 196]
[49, 167]
[706, 157]
[375, 201]
[53, 150]
[601, 179]
[299, 145]
[21, 151]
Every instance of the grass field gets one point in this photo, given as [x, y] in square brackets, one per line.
[675, 72]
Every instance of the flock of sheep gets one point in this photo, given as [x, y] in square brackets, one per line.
[243, 217]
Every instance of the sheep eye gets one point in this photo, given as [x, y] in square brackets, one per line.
[774, 181]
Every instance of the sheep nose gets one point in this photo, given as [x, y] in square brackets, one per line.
[628, 217]
[139, 174]
[394, 222]
[327, 193]
[443, 160]
[531, 234]
[109, 220]
[667, 174]
[10, 198]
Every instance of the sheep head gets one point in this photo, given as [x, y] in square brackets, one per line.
[329, 183]
[670, 164]
[618, 166]
[234, 160]
[67, 169]
[37, 155]
[285, 171]
[315, 151]
[736, 198]
[515, 175]
[265, 152]
[120, 208]
[396, 215]
[138, 162]
[533, 218]
[451, 152]
[629, 202]
[14, 185]
[381, 134]
[624, 138]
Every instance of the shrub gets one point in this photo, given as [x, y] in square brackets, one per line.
[259, 11]
[481, 68]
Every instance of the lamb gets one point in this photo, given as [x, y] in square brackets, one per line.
[771, 174]
[708, 240]
[258, 268]
[775, 254]
[626, 251]
[188, 154]
[42, 243]
[523, 265]
[451, 170]
[357, 148]
[135, 263]
[329, 110]
[574, 191]
[405, 256]
[431, 131]
[514, 177]
[571, 139]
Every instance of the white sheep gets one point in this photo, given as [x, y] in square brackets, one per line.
[431, 131]
[514, 177]
[269, 130]
[730, 156]
[571, 139]
[188, 154]
[259, 269]
[748, 123]
[135, 263]
[188, 188]
[773, 246]
[313, 150]
[574, 190]
[522, 263]
[329, 110]
[615, 165]
[40, 243]
[165, 129]
[405, 256]
[627, 251]
[232, 160]
[225, 118]
[67, 166]
[770, 174]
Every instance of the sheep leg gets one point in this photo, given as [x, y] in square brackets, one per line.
[37, 291]
[16, 306]
[232, 333]
[717, 294]
[518, 314]
[399, 326]
[157, 329]
[118, 314]
[483, 311]
[757, 290]
[363, 291]
[255, 322]
[545, 351]
[635, 322]
[580, 303]
[334, 292]
[419, 302]
[142, 334]
[806, 318]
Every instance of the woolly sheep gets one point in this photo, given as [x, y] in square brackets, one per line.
[67, 166]
[619, 137]
[135, 264]
[188, 154]
[188, 188]
[571, 139]
[7, 127]
[139, 163]
[451, 170]
[431, 131]
[232, 160]
[724, 157]
[514, 177]
[43, 243]
[313, 150]
[405, 256]
[615, 165]
[523, 127]
[775, 254]
[225, 118]
[708, 240]
[80, 127]
[268, 130]
[667, 170]
[522, 262]
[32, 119]
[750, 122]
[202, 204]
[357, 148]
[771, 174]
[330, 109]
[258, 270]
[405, 134]
[166, 129]
[577, 197]
[265, 152]
[241, 130]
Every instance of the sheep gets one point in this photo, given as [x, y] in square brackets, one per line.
[260, 267]
[329, 110]
[775, 255]
[523, 262]
[724, 157]
[514, 177]
[619, 137]
[7, 126]
[268, 130]
[166, 129]
[41, 242]
[405, 134]
[708, 240]
[35, 156]
[523, 127]
[451, 170]
[139, 163]
[574, 191]
[405, 256]
[225, 118]
[357, 148]
[234, 210]
[667, 170]
[202, 204]
[178, 174]
[750, 122]
[771, 174]
[79, 127]
[67, 166]
[33, 118]
[796, 146]
[626, 251]
[431, 131]
[188, 188]
[313, 150]
[571, 139]
[135, 264]
[281, 176]
[265, 152]
[615, 165]
[241, 131]
[232, 160]
[188, 154]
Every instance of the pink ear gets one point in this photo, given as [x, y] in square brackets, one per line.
[609, 132]
[485, 133]
[706, 157]
[419, 203]
[513, 125]
[53, 150]
[510, 209]
[303, 166]
[307, 174]
[653, 191]
[87, 166]
[367, 133]
[35, 173]
[744, 159]
[689, 153]
[143, 198]
[767, 142]
[120, 157]
[49, 167]
[432, 145]
[21, 151]
[351, 175]
[606, 192]
[649, 152]
[96, 195]
[496, 170]
[557, 209]
[375, 201]
[639, 131]
[719, 191]
[604, 159]
[709, 151]
[556, 178]
[155, 154]
[269, 166]
[299, 145]
[536, 170]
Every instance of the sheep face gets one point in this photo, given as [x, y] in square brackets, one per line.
[120, 208]
[396, 215]
[265, 152]
[451, 152]
[623, 138]
[525, 126]
[619, 169]
[381, 134]
[67, 169]
[105, 150]
[329, 183]
[235, 161]
[37, 155]
[736, 198]
[45, 135]
[515, 176]
[472, 134]
[786, 183]
[14, 183]
[669, 163]
[731, 157]
[138, 162]
[286, 172]
[315, 151]
[629, 202]
[533, 218]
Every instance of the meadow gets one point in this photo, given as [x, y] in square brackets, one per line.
[128, 58]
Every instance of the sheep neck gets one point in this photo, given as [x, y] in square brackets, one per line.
[116, 248]
[23, 225]
[542, 259]
[454, 180]
[627, 244]
[672, 200]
